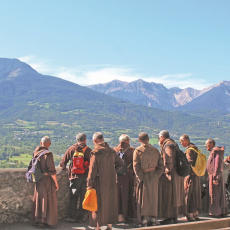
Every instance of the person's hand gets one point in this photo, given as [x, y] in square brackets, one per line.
[57, 186]
[94, 215]
[139, 181]
[166, 170]
[216, 182]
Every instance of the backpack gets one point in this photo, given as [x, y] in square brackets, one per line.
[200, 164]
[34, 172]
[79, 166]
[182, 164]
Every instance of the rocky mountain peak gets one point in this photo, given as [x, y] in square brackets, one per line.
[158, 96]
[11, 68]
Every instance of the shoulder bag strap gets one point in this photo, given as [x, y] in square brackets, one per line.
[194, 150]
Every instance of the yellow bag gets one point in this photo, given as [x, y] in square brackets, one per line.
[200, 165]
[90, 201]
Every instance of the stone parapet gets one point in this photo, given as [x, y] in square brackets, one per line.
[16, 195]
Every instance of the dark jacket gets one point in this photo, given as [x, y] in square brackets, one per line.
[69, 155]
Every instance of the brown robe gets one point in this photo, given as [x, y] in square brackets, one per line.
[217, 196]
[44, 208]
[104, 164]
[171, 186]
[125, 183]
[147, 157]
[192, 183]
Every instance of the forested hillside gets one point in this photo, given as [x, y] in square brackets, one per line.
[33, 105]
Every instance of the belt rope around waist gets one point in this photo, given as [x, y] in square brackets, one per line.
[149, 169]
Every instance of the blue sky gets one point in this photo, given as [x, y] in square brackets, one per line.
[182, 43]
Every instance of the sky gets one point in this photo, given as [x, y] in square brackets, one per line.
[178, 43]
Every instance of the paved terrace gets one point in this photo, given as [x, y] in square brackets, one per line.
[206, 223]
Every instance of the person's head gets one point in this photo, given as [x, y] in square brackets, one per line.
[144, 137]
[46, 142]
[209, 144]
[184, 140]
[81, 138]
[98, 138]
[164, 134]
[124, 138]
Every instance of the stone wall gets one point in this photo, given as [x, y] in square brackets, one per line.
[16, 195]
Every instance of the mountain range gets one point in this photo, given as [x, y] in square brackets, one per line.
[32, 104]
[216, 97]
[28, 95]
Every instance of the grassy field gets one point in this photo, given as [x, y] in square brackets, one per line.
[25, 158]
[153, 141]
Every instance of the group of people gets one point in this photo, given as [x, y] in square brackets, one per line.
[141, 183]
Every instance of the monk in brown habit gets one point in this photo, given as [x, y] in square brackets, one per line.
[104, 165]
[125, 180]
[148, 167]
[217, 196]
[171, 185]
[191, 182]
[44, 209]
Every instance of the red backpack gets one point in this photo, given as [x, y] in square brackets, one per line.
[79, 165]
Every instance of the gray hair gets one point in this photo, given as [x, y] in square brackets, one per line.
[164, 133]
[98, 135]
[124, 137]
[45, 139]
[80, 137]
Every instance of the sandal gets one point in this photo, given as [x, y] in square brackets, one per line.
[151, 223]
[166, 221]
[138, 225]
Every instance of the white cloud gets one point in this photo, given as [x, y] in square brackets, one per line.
[108, 74]
[179, 80]
[89, 75]
[39, 65]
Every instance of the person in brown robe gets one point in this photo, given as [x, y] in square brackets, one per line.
[125, 180]
[171, 185]
[104, 165]
[217, 192]
[77, 181]
[148, 167]
[192, 182]
[44, 208]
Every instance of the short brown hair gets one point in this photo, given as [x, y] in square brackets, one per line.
[211, 141]
[143, 137]
[185, 137]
